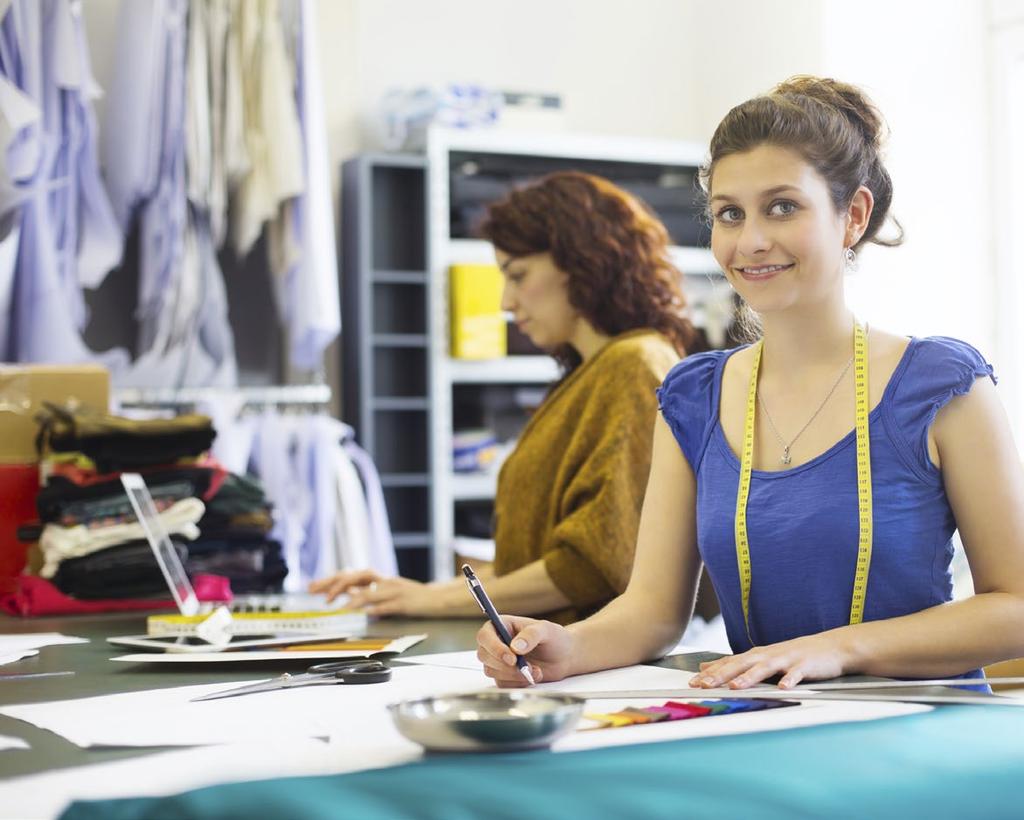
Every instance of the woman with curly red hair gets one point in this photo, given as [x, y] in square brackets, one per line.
[587, 278]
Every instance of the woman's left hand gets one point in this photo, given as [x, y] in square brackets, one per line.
[814, 657]
[397, 597]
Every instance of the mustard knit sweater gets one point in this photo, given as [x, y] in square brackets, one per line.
[571, 491]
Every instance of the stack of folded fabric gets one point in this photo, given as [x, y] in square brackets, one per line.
[92, 547]
[234, 539]
[91, 544]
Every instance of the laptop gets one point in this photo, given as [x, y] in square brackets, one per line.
[280, 606]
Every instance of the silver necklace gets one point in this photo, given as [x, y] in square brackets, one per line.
[786, 447]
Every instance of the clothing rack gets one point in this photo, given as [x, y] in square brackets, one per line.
[294, 394]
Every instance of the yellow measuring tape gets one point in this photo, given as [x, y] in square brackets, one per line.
[865, 517]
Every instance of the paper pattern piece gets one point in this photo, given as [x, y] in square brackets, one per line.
[450, 660]
[12, 743]
[10, 644]
[21, 654]
[397, 645]
[167, 717]
[637, 677]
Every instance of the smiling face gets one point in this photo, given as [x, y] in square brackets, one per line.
[536, 293]
[775, 231]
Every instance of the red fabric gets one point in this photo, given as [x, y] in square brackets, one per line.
[85, 477]
[19, 484]
[682, 711]
[34, 597]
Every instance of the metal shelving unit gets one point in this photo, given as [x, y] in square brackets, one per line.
[385, 336]
[545, 153]
[402, 230]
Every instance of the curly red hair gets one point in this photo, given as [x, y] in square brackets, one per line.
[609, 243]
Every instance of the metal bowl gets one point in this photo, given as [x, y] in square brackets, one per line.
[497, 721]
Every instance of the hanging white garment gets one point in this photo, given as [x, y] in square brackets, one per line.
[236, 432]
[280, 458]
[308, 292]
[185, 334]
[67, 231]
[229, 157]
[271, 124]
[320, 551]
[138, 114]
[144, 163]
[381, 543]
[210, 358]
[8, 261]
[198, 114]
[92, 242]
[17, 113]
[353, 522]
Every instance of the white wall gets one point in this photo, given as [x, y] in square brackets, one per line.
[926, 67]
[622, 68]
[742, 48]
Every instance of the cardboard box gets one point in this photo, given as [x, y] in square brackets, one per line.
[477, 321]
[23, 389]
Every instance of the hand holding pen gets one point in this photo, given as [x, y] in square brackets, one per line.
[476, 588]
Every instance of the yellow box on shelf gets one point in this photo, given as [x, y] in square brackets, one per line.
[476, 319]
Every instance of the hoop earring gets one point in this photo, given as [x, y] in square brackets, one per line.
[850, 258]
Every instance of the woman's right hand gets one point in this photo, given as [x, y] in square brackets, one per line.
[346, 581]
[547, 647]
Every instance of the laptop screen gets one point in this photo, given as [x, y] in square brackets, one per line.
[159, 540]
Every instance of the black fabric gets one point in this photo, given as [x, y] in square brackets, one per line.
[86, 511]
[116, 443]
[238, 494]
[127, 570]
[253, 565]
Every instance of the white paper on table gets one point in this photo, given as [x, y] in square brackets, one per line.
[7, 742]
[469, 660]
[168, 717]
[636, 678]
[21, 654]
[18, 643]
[397, 645]
[450, 660]
[627, 677]
[684, 649]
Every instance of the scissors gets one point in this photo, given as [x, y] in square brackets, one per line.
[352, 672]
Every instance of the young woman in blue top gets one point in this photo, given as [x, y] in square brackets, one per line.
[830, 461]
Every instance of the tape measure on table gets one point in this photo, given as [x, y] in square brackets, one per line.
[864, 511]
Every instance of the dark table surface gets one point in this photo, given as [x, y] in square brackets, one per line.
[95, 674]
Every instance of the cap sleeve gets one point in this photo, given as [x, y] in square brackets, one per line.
[940, 369]
[687, 400]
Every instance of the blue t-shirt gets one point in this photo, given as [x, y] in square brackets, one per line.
[802, 523]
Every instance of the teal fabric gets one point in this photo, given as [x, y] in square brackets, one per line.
[958, 761]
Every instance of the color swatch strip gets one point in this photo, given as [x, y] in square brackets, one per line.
[675, 710]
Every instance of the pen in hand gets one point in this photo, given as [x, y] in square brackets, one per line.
[485, 604]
